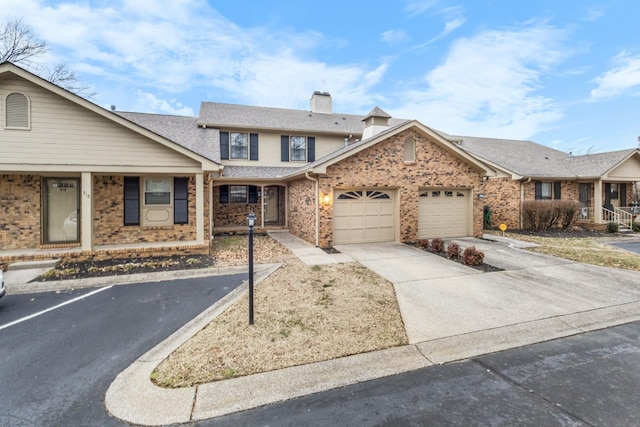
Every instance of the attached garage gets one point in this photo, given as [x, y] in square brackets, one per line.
[361, 216]
[444, 213]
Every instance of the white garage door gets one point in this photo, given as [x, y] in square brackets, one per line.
[443, 213]
[361, 216]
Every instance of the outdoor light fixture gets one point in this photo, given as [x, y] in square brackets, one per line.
[252, 220]
[326, 199]
[480, 196]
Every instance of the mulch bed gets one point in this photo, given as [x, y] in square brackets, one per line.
[484, 267]
[121, 266]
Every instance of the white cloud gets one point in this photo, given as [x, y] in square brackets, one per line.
[416, 7]
[622, 77]
[148, 102]
[392, 37]
[487, 85]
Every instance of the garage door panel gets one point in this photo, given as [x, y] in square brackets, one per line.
[363, 216]
[443, 213]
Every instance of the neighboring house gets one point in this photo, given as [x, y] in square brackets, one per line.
[80, 181]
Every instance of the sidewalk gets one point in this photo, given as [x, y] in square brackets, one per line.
[134, 398]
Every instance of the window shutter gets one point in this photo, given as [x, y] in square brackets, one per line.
[224, 145]
[253, 146]
[311, 149]
[623, 194]
[557, 190]
[131, 200]
[607, 195]
[253, 194]
[538, 190]
[224, 194]
[284, 148]
[17, 111]
[180, 200]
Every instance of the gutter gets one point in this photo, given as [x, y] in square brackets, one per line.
[306, 174]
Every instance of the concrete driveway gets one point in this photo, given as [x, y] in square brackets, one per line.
[439, 298]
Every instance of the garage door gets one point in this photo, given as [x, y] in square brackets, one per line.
[443, 213]
[361, 216]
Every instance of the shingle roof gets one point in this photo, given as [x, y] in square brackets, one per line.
[258, 172]
[181, 130]
[597, 164]
[243, 116]
[377, 112]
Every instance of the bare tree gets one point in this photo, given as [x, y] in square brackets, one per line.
[20, 45]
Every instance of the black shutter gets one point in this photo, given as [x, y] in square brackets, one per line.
[180, 200]
[224, 145]
[253, 194]
[557, 190]
[607, 196]
[253, 146]
[538, 190]
[224, 194]
[311, 149]
[284, 148]
[131, 200]
[623, 194]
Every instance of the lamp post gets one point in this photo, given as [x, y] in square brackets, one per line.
[252, 220]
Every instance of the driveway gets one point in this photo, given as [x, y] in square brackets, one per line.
[439, 298]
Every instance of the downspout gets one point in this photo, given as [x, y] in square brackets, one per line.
[306, 174]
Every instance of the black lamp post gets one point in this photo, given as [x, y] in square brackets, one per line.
[252, 220]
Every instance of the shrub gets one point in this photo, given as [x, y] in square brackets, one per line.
[541, 215]
[473, 257]
[636, 227]
[422, 243]
[612, 227]
[437, 245]
[453, 250]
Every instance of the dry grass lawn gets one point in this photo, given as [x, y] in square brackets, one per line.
[589, 250]
[303, 315]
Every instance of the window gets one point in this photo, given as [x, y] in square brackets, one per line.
[17, 111]
[615, 193]
[238, 146]
[409, 150]
[157, 191]
[298, 148]
[239, 194]
[548, 190]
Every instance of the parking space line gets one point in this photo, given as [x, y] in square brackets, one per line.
[31, 316]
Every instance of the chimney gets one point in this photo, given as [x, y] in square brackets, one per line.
[375, 122]
[321, 102]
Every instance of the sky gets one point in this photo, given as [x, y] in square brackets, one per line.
[565, 74]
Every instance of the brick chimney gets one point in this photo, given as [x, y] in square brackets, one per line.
[321, 102]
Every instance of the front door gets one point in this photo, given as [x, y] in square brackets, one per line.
[271, 203]
[60, 213]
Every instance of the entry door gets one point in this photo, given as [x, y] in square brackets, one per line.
[61, 203]
[271, 203]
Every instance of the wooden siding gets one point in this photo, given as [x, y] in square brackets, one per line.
[627, 170]
[64, 133]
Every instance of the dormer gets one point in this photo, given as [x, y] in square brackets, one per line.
[375, 122]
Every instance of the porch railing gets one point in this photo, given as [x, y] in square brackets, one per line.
[623, 217]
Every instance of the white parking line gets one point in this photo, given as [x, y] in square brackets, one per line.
[31, 316]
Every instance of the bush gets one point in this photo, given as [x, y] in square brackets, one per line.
[437, 245]
[453, 250]
[636, 227]
[422, 243]
[473, 257]
[541, 215]
[613, 227]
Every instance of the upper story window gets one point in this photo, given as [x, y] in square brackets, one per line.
[409, 150]
[17, 111]
[298, 148]
[238, 146]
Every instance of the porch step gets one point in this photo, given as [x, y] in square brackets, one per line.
[26, 265]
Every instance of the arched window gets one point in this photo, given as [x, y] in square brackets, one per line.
[409, 150]
[17, 111]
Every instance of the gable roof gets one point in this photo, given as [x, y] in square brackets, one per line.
[320, 165]
[8, 68]
[249, 117]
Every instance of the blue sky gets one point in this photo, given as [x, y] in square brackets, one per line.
[562, 73]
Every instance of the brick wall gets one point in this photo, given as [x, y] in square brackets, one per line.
[301, 210]
[382, 165]
[20, 211]
[234, 214]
